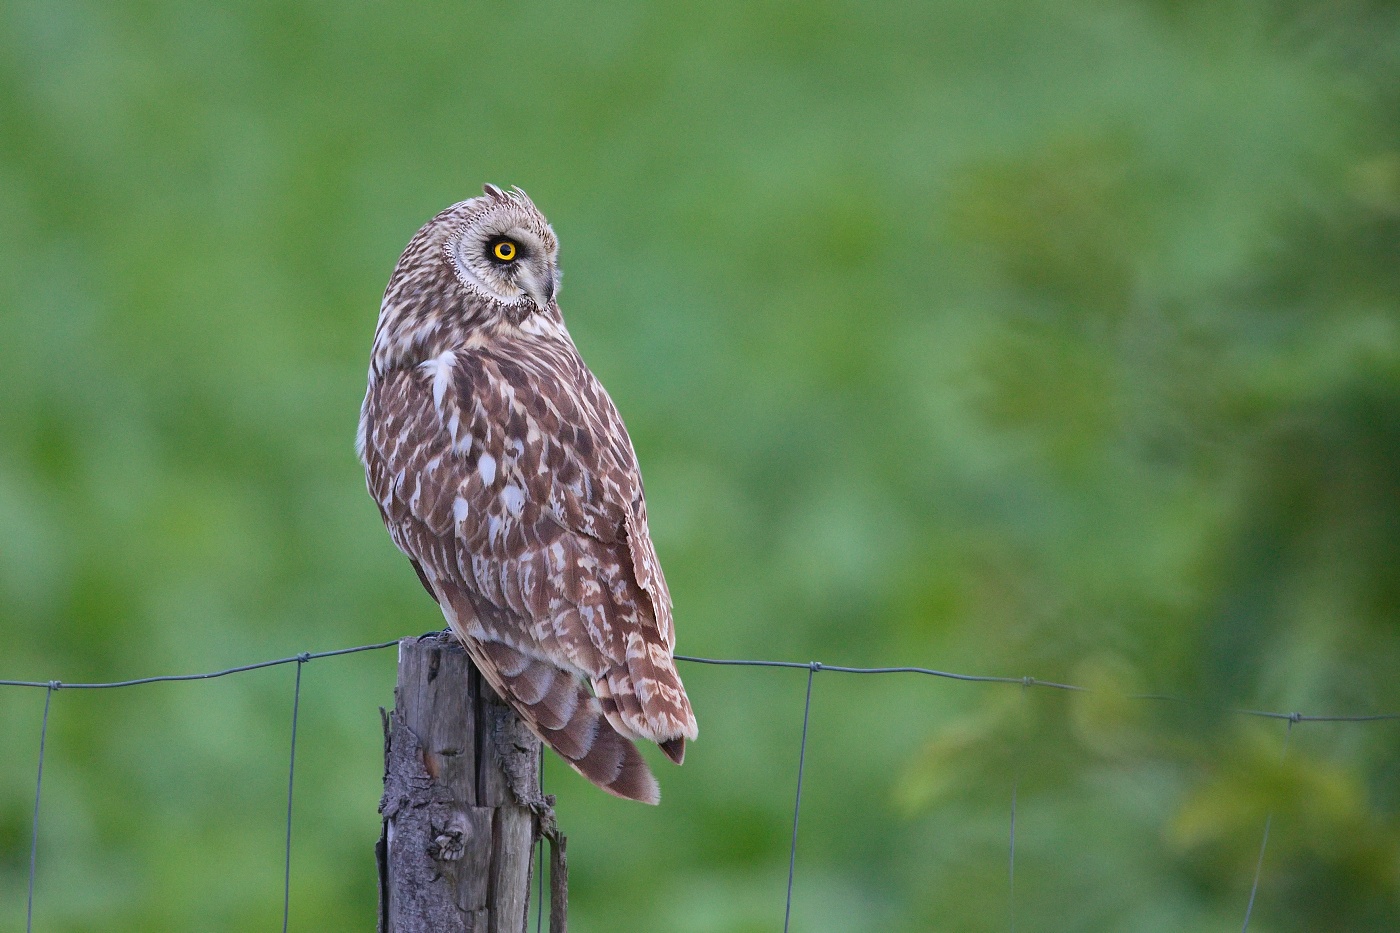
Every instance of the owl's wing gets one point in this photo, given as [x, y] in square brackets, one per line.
[515, 492]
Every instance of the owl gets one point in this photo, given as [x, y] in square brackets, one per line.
[503, 471]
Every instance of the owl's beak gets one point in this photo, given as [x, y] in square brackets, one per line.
[541, 291]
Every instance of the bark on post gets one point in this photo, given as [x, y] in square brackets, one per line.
[461, 807]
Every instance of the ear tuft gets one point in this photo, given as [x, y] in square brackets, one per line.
[494, 192]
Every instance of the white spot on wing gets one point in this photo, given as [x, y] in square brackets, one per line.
[459, 510]
[486, 466]
[513, 498]
[440, 369]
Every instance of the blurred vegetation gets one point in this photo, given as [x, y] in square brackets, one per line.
[1056, 339]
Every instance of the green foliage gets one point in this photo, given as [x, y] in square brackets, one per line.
[1055, 339]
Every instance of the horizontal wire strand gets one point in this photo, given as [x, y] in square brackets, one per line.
[1030, 682]
[167, 678]
[725, 662]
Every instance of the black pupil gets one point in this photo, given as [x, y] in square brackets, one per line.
[503, 249]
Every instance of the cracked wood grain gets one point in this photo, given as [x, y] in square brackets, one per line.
[461, 807]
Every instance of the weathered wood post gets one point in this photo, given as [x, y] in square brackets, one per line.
[461, 806]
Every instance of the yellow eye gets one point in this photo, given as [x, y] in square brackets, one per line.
[504, 251]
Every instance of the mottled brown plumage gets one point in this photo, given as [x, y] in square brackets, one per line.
[503, 470]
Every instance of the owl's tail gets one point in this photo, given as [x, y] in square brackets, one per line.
[560, 710]
[644, 698]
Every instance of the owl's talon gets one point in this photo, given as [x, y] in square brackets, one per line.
[445, 633]
[544, 817]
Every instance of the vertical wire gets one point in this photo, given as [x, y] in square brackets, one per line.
[1011, 871]
[291, 783]
[539, 859]
[38, 790]
[1011, 857]
[797, 805]
[1264, 843]
[1258, 866]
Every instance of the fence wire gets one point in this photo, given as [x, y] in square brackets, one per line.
[291, 783]
[812, 667]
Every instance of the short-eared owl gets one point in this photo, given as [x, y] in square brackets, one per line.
[503, 471]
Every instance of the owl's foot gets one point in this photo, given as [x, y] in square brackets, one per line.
[445, 634]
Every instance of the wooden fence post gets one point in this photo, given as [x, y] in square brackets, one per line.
[461, 807]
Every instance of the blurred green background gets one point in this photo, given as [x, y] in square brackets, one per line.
[1055, 339]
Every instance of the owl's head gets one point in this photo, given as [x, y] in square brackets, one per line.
[504, 251]
[483, 262]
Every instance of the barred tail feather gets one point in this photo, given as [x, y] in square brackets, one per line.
[649, 693]
[567, 718]
[612, 707]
